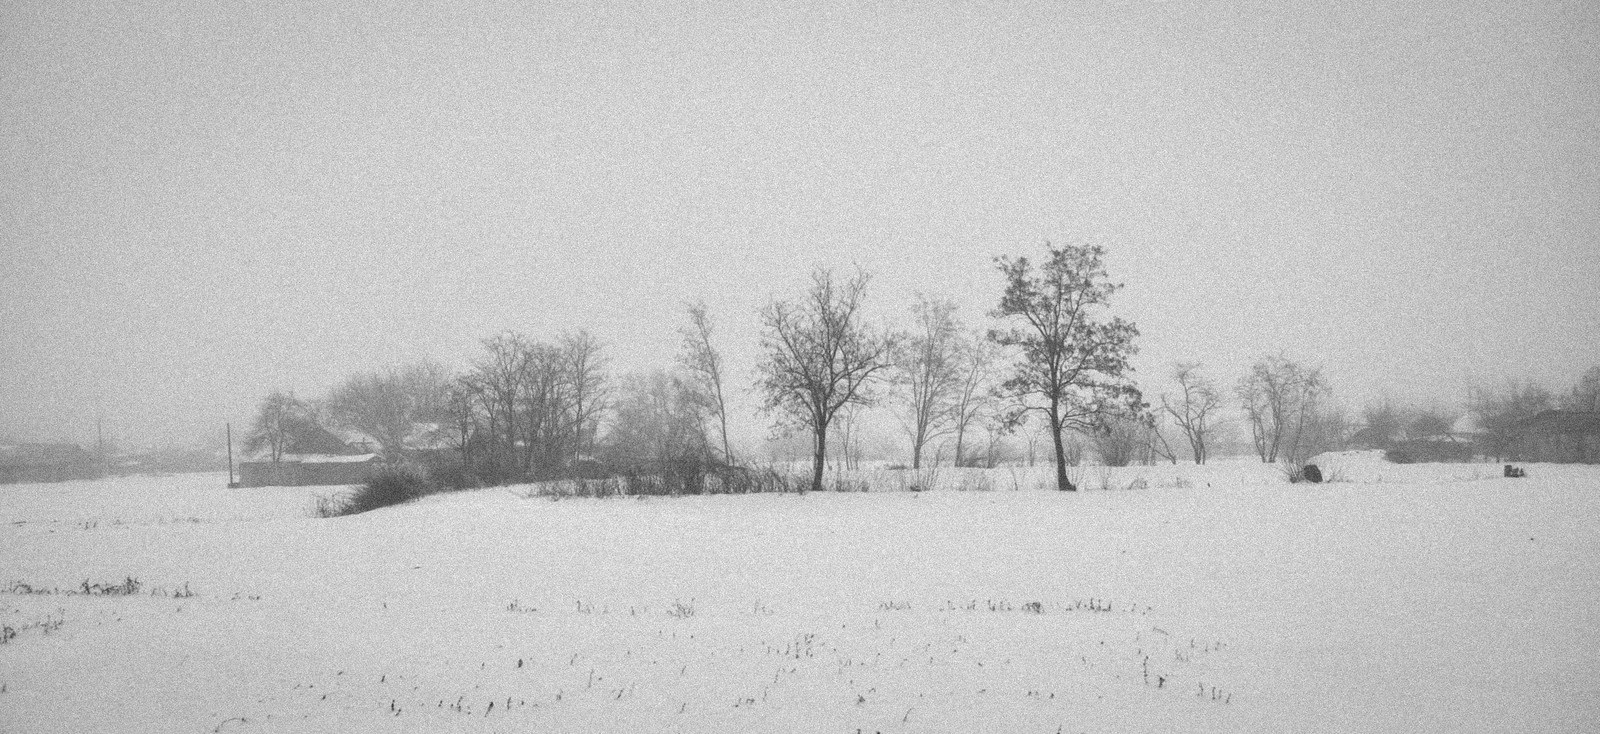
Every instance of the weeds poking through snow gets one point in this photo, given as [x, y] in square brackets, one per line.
[326, 505]
[46, 625]
[128, 587]
[680, 610]
[1107, 480]
[175, 593]
[713, 480]
[982, 484]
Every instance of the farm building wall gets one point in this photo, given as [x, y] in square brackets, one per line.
[304, 473]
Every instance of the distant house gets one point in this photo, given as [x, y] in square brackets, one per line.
[1563, 436]
[314, 439]
[312, 457]
[423, 440]
[46, 462]
[1405, 445]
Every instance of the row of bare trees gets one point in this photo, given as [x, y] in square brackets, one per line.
[1053, 357]
[529, 409]
[1068, 358]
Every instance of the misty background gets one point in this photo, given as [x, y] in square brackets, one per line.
[202, 202]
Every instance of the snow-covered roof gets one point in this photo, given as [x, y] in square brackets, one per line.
[1466, 425]
[329, 458]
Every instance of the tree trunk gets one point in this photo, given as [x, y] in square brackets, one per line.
[722, 413]
[819, 457]
[1062, 482]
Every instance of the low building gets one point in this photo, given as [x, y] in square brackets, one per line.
[303, 470]
[46, 462]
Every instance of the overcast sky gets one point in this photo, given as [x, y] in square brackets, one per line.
[203, 201]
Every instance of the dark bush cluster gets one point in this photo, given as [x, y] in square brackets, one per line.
[1424, 451]
[675, 479]
[389, 487]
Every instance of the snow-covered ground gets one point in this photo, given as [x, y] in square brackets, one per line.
[1220, 598]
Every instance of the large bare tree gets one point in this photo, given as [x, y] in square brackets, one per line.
[279, 418]
[532, 407]
[393, 405]
[927, 373]
[701, 358]
[1072, 361]
[499, 378]
[819, 356]
[1191, 409]
[585, 372]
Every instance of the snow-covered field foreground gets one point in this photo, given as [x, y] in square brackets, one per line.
[1425, 598]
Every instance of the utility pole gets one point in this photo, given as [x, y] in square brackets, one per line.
[100, 441]
[231, 484]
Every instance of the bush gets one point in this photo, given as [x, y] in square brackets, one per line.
[388, 488]
[1424, 451]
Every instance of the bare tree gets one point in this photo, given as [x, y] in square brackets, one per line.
[1120, 440]
[703, 361]
[278, 419]
[1384, 425]
[848, 436]
[462, 425]
[820, 355]
[1073, 364]
[586, 381]
[536, 406]
[659, 425]
[927, 373]
[1280, 398]
[1327, 428]
[499, 378]
[1191, 409]
[393, 405]
[1586, 394]
[995, 448]
[549, 431]
[974, 393]
[1031, 436]
[1500, 410]
[1155, 441]
[1431, 421]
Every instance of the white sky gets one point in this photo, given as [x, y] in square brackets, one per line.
[202, 201]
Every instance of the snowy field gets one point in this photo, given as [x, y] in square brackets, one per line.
[1431, 598]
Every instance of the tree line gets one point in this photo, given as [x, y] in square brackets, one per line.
[1052, 357]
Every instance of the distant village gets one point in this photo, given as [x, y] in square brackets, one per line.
[324, 457]
[1046, 380]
